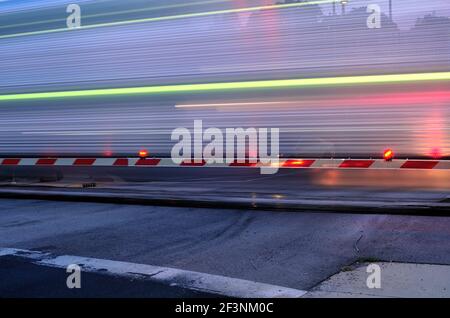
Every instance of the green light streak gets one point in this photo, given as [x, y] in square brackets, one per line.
[232, 86]
[167, 18]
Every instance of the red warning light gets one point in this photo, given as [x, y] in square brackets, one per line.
[299, 163]
[436, 153]
[143, 153]
[388, 155]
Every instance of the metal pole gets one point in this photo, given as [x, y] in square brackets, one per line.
[390, 9]
[343, 3]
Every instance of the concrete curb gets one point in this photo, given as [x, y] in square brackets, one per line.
[203, 282]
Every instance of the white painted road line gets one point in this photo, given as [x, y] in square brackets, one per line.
[216, 284]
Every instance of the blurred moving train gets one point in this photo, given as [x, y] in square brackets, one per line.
[285, 42]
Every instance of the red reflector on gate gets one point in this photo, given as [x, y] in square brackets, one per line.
[243, 164]
[191, 163]
[356, 164]
[45, 162]
[419, 164]
[121, 162]
[299, 163]
[84, 162]
[147, 162]
[10, 162]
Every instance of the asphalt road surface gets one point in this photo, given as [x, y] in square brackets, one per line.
[21, 278]
[296, 250]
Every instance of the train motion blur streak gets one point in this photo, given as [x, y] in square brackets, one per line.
[236, 86]
[171, 17]
[237, 45]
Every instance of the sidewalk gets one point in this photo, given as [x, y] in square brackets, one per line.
[399, 280]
